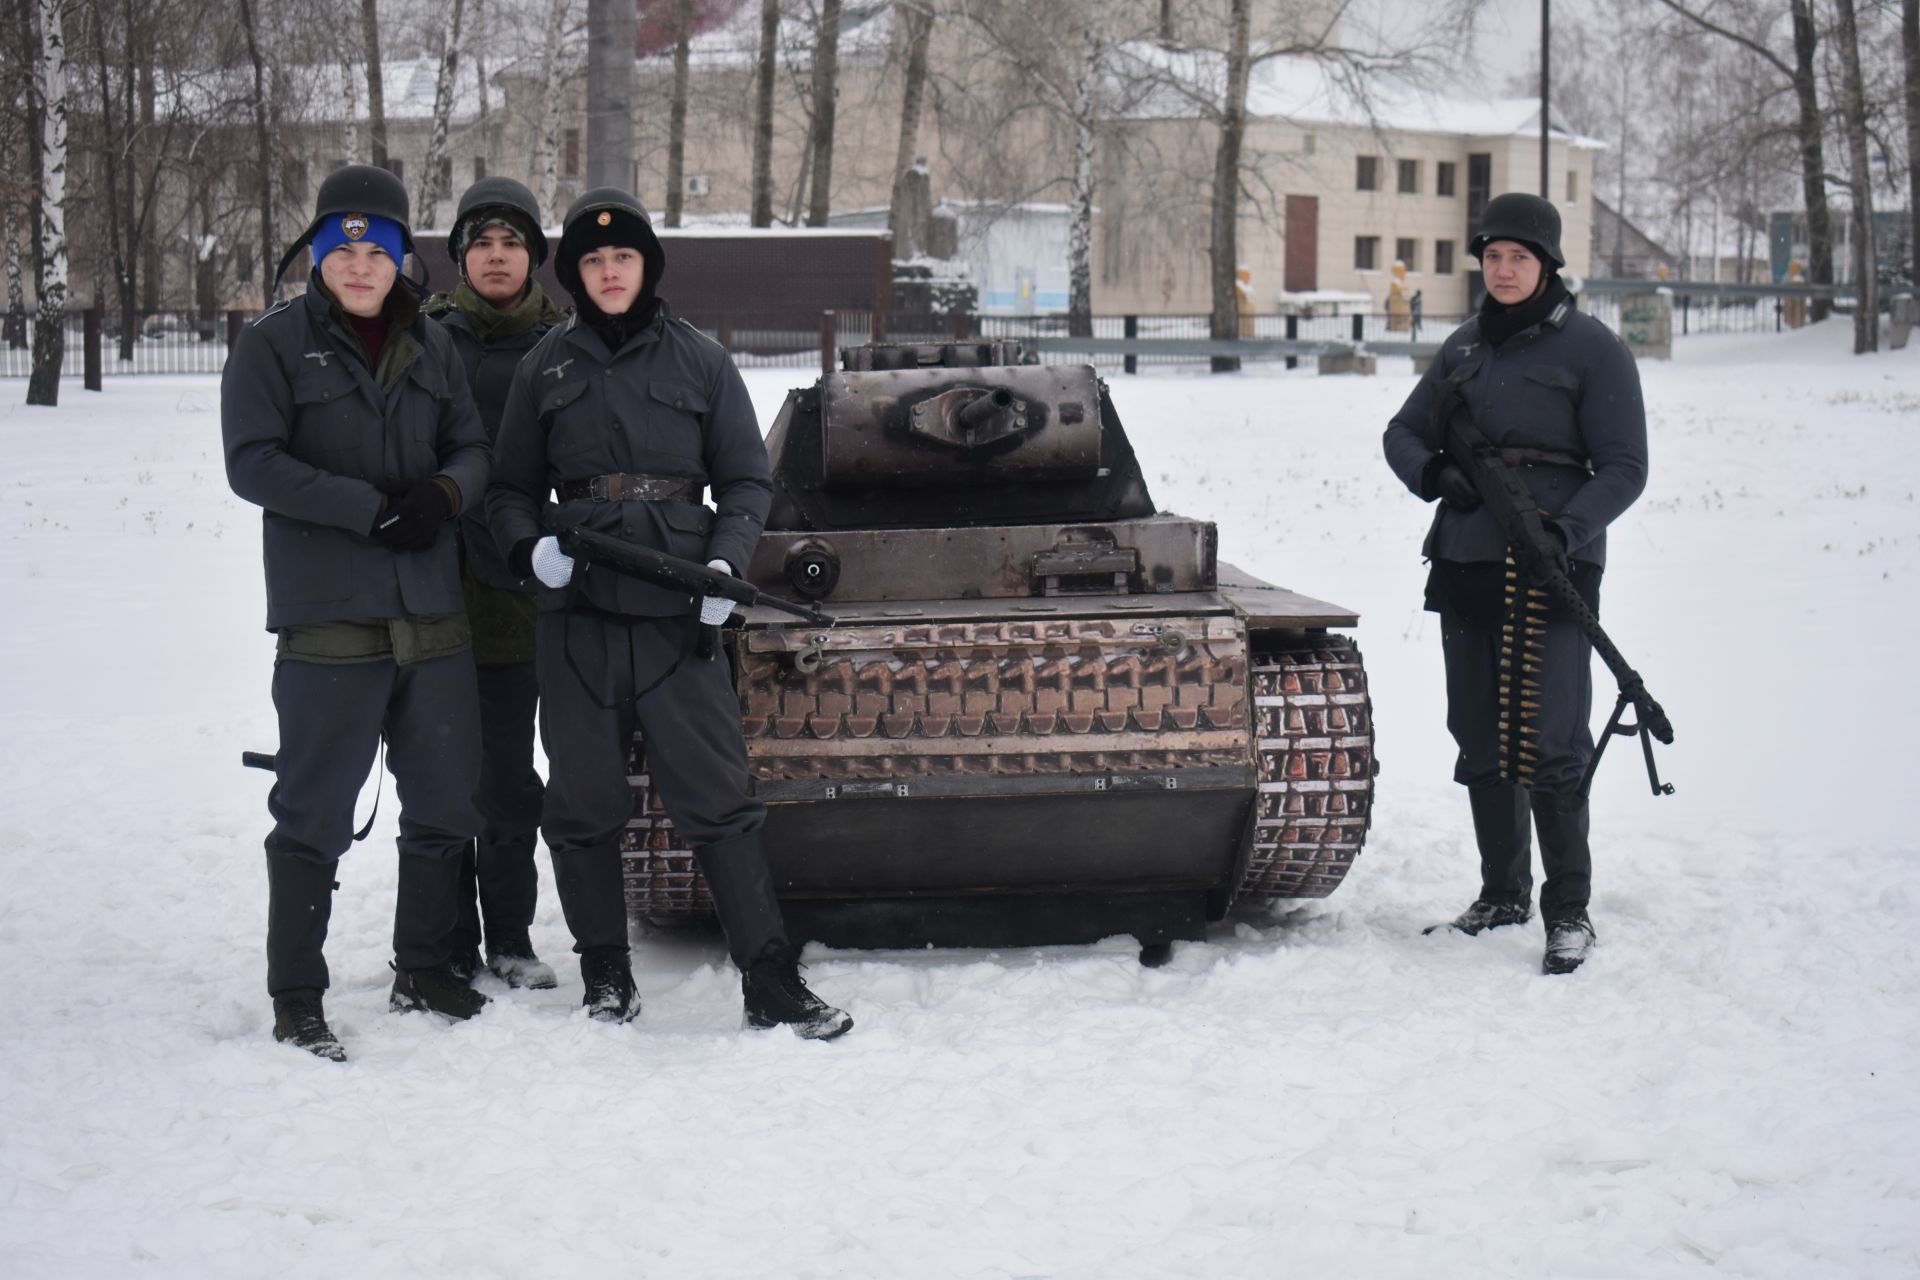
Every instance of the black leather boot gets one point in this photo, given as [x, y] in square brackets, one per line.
[743, 897]
[1502, 830]
[592, 897]
[299, 1020]
[607, 973]
[1565, 855]
[776, 996]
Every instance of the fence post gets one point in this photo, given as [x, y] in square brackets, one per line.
[1359, 328]
[1293, 335]
[90, 326]
[962, 326]
[1130, 327]
[1779, 305]
[236, 321]
[1685, 300]
[879, 325]
[829, 329]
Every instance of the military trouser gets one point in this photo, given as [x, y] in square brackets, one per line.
[591, 666]
[332, 716]
[1501, 810]
[500, 867]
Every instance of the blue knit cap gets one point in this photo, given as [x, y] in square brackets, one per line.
[348, 228]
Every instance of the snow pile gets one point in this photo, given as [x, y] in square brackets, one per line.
[1728, 1086]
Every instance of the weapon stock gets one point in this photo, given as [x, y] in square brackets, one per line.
[680, 575]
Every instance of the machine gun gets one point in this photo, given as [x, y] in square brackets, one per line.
[1510, 501]
[680, 575]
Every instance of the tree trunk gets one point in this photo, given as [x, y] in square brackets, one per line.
[1086, 87]
[549, 150]
[677, 111]
[610, 34]
[435, 185]
[146, 160]
[1224, 247]
[1910, 48]
[15, 325]
[113, 131]
[352, 105]
[129, 216]
[49, 329]
[919, 31]
[1813, 160]
[263, 145]
[478, 34]
[376, 92]
[826, 86]
[1866, 260]
[763, 113]
[27, 13]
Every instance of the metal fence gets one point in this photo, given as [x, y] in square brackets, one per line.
[164, 342]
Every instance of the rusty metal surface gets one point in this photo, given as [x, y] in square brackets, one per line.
[908, 426]
[1313, 720]
[994, 562]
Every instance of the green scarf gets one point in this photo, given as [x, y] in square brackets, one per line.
[490, 324]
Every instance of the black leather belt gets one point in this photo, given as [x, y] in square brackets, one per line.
[1540, 457]
[619, 487]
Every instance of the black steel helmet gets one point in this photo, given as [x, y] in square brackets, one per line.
[500, 193]
[1531, 220]
[355, 188]
[594, 217]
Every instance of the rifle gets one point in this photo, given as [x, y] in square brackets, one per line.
[680, 575]
[1511, 503]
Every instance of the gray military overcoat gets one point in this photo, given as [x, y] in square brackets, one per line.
[1567, 385]
[312, 440]
[668, 403]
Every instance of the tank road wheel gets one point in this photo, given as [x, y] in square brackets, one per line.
[1313, 729]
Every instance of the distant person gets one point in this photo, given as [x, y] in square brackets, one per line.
[1558, 393]
[496, 314]
[347, 419]
[626, 415]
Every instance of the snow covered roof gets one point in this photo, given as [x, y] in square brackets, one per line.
[866, 31]
[1312, 90]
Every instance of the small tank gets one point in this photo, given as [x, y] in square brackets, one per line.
[1046, 712]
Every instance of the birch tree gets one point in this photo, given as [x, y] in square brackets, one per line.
[263, 149]
[547, 150]
[1910, 67]
[1853, 111]
[49, 330]
[434, 183]
[919, 16]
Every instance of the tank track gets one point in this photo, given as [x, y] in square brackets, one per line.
[1313, 721]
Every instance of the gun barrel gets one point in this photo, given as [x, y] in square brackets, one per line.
[682, 575]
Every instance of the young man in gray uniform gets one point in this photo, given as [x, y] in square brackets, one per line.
[627, 415]
[1557, 392]
[496, 314]
[347, 419]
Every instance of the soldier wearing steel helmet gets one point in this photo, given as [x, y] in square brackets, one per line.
[1558, 394]
[627, 416]
[347, 420]
[496, 315]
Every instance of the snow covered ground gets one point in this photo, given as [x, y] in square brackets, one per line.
[1728, 1087]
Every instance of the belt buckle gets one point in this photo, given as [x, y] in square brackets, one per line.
[598, 489]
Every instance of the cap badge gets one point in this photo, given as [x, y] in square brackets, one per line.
[354, 225]
[605, 219]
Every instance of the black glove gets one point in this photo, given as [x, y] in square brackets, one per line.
[1556, 548]
[1453, 488]
[412, 520]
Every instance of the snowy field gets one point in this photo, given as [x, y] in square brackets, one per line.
[1728, 1087]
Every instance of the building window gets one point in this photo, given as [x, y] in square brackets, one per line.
[1408, 251]
[570, 154]
[1443, 178]
[1306, 145]
[1366, 253]
[1443, 257]
[1409, 177]
[1367, 174]
[1573, 186]
[479, 168]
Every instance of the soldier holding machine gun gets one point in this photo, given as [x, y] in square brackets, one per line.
[1530, 432]
[625, 415]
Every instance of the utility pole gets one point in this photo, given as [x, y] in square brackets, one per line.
[610, 35]
[1546, 83]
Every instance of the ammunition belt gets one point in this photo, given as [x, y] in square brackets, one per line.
[620, 487]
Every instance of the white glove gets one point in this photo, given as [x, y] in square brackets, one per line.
[550, 564]
[715, 610]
